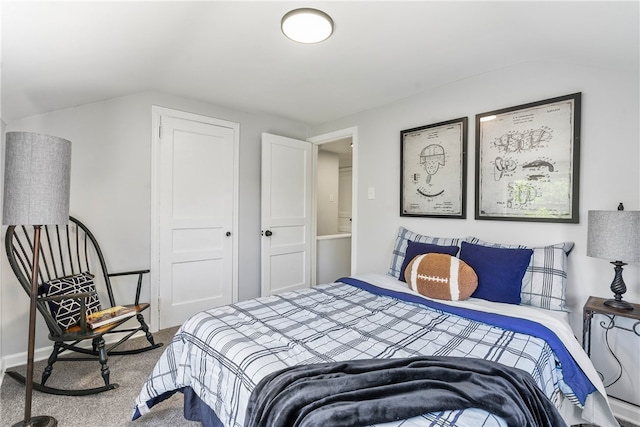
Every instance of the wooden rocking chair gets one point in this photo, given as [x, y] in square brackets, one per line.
[73, 279]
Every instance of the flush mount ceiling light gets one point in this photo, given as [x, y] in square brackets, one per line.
[307, 25]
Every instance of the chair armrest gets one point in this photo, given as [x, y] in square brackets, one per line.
[128, 273]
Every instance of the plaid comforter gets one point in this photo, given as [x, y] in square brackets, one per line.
[224, 352]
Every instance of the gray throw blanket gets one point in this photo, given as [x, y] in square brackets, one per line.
[365, 392]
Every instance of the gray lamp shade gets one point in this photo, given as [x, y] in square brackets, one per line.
[36, 179]
[614, 235]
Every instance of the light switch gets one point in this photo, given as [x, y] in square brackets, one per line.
[371, 193]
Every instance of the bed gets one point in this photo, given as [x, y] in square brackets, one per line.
[218, 357]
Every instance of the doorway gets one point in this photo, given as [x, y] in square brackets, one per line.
[335, 204]
[333, 210]
[334, 187]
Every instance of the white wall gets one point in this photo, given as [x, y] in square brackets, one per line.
[111, 189]
[327, 193]
[333, 257]
[608, 166]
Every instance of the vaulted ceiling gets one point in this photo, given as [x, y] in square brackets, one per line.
[57, 55]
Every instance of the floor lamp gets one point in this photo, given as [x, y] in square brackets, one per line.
[36, 192]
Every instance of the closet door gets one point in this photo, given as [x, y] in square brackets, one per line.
[196, 236]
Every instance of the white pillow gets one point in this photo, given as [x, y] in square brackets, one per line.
[400, 247]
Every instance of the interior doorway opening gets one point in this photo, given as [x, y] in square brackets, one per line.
[333, 190]
[334, 209]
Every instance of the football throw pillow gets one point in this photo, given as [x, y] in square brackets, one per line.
[441, 276]
[416, 248]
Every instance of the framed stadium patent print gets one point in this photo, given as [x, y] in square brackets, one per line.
[434, 170]
[527, 161]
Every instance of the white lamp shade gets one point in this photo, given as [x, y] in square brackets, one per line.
[614, 235]
[36, 179]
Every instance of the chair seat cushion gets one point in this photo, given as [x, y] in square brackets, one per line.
[66, 312]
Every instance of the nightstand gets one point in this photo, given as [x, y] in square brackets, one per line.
[596, 305]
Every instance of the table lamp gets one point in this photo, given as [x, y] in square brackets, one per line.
[615, 235]
[36, 192]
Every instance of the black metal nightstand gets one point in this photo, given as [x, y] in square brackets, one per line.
[595, 305]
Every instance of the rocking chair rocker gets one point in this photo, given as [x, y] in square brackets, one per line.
[69, 258]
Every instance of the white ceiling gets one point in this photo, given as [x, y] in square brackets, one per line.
[61, 54]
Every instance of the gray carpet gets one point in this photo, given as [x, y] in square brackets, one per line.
[110, 409]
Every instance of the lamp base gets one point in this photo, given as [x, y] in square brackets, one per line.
[40, 421]
[618, 304]
[618, 287]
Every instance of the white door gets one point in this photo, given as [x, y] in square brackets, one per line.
[287, 184]
[196, 174]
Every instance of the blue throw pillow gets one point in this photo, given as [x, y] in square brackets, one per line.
[416, 248]
[500, 271]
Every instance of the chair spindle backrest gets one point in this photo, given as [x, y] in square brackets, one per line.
[64, 251]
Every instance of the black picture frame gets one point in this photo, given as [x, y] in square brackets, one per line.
[528, 161]
[433, 170]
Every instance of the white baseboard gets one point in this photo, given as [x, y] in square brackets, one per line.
[18, 359]
[43, 353]
[625, 411]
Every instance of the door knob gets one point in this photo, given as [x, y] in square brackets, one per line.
[228, 233]
[268, 233]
